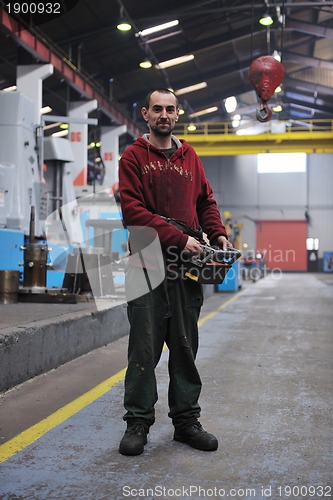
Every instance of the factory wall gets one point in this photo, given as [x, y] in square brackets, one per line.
[250, 196]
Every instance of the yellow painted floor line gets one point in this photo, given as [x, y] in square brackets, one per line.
[222, 306]
[29, 436]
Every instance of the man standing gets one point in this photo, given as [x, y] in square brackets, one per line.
[161, 177]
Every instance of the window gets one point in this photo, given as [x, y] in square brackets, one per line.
[278, 163]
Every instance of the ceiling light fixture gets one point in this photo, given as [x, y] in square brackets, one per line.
[181, 111]
[230, 104]
[236, 121]
[266, 20]
[191, 127]
[277, 55]
[124, 26]
[212, 109]
[174, 62]
[278, 89]
[146, 64]
[191, 88]
[277, 108]
[155, 29]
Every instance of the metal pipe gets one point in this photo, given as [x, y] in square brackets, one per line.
[32, 226]
[301, 4]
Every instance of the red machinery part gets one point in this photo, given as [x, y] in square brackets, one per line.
[266, 73]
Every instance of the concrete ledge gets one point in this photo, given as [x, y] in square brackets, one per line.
[35, 348]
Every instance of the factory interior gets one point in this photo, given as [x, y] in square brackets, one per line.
[254, 83]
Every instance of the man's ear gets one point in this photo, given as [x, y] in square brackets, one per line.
[144, 113]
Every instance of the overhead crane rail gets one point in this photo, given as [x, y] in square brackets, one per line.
[221, 138]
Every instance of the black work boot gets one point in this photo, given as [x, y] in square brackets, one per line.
[134, 439]
[197, 437]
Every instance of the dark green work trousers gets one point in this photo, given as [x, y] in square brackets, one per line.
[169, 314]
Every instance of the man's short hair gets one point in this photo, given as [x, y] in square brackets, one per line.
[162, 90]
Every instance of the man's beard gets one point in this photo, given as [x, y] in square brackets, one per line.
[164, 132]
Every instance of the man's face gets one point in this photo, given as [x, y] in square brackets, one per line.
[162, 113]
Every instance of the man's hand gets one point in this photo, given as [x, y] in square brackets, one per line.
[224, 243]
[192, 246]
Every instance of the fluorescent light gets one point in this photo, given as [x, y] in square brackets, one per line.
[174, 62]
[155, 29]
[230, 104]
[10, 89]
[61, 133]
[191, 88]
[204, 111]
[45, 109]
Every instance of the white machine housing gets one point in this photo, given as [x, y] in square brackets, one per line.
[21, 185]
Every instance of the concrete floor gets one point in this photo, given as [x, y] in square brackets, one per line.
[266, 364]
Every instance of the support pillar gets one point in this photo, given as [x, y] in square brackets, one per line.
[29, 81]
[110, 152]
[78, 135]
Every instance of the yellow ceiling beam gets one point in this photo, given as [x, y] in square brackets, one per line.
[217, 140]
[269, 143]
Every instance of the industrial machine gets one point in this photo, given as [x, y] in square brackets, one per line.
[232, 282]
[21, 183]
[55, 244]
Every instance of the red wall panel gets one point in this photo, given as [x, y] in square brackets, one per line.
[284, 244]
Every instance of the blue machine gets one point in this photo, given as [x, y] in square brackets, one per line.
[232, 281]
[10, 252]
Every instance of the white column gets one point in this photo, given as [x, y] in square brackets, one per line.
[110, 153]
[78, 135]
[29, 80]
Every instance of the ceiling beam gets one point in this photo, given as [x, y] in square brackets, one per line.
[302, 84]
[313, 62]
[309, 29]
[42, 50]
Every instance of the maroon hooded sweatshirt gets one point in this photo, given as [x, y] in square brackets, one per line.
[151, 186]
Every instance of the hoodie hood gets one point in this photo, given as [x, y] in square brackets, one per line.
[180, 144]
